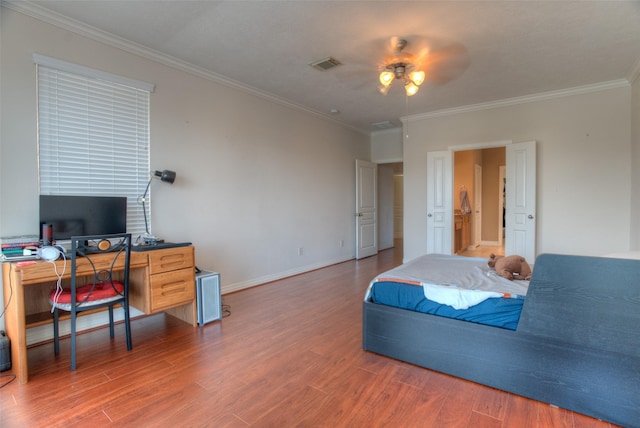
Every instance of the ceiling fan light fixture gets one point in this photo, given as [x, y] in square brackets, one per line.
[417, 77]
[402, 66]
[386, 77]
[411, 88]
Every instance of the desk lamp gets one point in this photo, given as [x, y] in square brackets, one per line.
[168, 177]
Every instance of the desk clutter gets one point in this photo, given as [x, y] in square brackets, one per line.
[29, 247]
[159, 246]
[19, 247]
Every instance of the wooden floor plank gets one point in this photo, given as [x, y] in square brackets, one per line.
[491, 402]
[522, 412]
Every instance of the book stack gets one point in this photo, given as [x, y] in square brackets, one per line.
[13, 246]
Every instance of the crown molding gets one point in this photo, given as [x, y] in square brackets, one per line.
[613, 84]
[38, 12]
[42, 14]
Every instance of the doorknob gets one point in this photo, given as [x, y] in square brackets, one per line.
[429, 215]
[530, 216]
[358, 214]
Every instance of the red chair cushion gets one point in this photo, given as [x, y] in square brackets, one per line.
[102, 290]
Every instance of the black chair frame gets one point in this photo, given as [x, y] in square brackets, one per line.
[85, 247]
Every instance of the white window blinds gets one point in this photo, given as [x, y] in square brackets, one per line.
[93, 135]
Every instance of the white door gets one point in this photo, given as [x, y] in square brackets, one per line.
[439, 202]
[520, 218]
[366, 209]
[477, 206]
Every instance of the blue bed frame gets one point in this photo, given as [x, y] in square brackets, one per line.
[577, 345]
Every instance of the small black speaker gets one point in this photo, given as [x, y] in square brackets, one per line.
[47, 234]
[5, 352]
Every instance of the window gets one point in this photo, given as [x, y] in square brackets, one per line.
[93, 135]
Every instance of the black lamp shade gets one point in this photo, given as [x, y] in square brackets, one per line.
[167, 176]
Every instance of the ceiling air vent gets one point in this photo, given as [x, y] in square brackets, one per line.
[325, 64]
[384, 125]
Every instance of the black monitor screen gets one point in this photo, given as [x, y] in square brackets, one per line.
[83, 215]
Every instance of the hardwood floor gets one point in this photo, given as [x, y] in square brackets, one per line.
[288, 355]
[484, 251]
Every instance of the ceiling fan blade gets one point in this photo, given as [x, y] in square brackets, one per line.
[444, 64]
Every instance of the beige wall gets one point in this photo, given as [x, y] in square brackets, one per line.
[386, 146]
[583, 168]
[256, 179]
[563, 127]
[635, 166]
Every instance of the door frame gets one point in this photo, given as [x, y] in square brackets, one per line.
[502, 194]
[477, 205]
[451, 150]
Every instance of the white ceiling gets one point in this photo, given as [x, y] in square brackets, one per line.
[503, 49]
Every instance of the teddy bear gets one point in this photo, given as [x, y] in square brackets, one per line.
[510, 267]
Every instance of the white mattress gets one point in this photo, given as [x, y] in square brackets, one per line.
[454, 280]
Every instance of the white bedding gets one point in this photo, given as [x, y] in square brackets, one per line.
[456, 281]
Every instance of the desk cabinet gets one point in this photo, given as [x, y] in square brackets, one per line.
[171, 284]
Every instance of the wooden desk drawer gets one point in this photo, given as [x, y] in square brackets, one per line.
[172, 288]
[43, 271]
[170, 259]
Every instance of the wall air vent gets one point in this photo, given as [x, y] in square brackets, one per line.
[326, 64]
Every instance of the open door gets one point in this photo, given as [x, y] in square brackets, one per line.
[520, 217]
[520, 221]
[366, 209]
[439, 202]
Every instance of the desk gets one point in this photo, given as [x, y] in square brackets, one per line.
[159, 281]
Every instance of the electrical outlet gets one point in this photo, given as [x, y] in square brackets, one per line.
[300, 251]
[341, 243]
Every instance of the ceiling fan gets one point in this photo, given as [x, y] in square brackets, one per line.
[432, 61]
[401, 66]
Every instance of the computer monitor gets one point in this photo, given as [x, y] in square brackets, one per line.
[83, 215]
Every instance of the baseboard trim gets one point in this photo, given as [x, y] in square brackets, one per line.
[225, 289]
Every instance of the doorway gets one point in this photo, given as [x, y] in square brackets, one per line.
[478, 173]
[391, 205]
[520, 191]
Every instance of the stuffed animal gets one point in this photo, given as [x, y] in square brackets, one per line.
[510, 267]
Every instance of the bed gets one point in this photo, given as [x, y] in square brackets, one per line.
[576, 343]
[463, 288]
